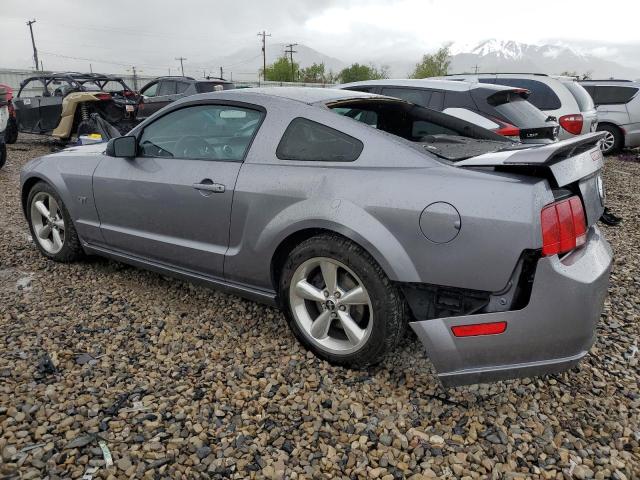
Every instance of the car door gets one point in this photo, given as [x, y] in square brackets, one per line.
[51, 106]
[155, 99]
[172, 203]
[27, 105]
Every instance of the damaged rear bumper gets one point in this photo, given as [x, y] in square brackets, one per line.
[552, 333]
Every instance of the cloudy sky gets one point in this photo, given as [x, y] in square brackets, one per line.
[112, 35]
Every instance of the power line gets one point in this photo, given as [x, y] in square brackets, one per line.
[181, 65]
[264, 54]
[33, 42]
[291, 51]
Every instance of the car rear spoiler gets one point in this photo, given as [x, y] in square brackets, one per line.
[569, 160]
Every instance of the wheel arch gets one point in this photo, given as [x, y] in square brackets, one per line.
[400, 268]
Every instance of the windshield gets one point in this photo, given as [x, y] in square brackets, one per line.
[430, 131]
[585, 102]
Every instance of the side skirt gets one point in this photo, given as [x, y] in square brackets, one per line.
[266, 297]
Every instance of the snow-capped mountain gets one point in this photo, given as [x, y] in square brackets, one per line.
[508, 56]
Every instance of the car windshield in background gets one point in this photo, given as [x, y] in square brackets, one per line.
[443, 135]
[585, 102]
[516, 109]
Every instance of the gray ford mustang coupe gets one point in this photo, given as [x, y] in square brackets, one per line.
[356, 214]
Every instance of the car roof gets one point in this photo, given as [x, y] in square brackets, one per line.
[435, 83]
[308, 95]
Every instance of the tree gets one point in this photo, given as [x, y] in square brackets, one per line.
[574, 74]
[313, 74]
[281, 71]
[434, 65]
[357, 73]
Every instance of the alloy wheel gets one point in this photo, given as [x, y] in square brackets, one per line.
[607, 142]
[47, 222]
[331, 305]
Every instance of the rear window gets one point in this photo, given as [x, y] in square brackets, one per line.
[542, 96]
[585, 102]
[412, 95]
[513, 108]
[311, 141]
[611, 94]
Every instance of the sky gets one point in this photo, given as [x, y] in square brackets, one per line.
[113, 35]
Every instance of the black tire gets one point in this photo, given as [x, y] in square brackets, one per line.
[3, 154]
[71, 247]
[388, 306]
[86, 127]
[618, 139]
[11, 133]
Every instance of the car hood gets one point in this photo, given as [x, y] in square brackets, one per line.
[92, 149]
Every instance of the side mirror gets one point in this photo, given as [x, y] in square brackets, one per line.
[122, 147]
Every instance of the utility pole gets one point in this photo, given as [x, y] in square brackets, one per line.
[291, 51]
[33, 42]
[91, 68]
[181, 65]
[135, 77]
[221, 73]
[264, 54]
[475, 69]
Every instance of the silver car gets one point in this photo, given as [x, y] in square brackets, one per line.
[618, 105]
[487, 248]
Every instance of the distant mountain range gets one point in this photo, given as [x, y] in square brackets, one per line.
[487, 56]
[247, 62]
[509, 56]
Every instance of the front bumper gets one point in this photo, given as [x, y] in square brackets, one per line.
[552, 333]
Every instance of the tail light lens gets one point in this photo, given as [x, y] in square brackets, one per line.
[493, 328]
[103, 96]
[572, 123]
[508, 130]
[564, 226]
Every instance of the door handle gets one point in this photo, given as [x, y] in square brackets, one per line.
[209, 187]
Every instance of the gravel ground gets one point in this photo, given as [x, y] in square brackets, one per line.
[178, 381]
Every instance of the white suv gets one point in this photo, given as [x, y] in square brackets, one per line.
[560, 97]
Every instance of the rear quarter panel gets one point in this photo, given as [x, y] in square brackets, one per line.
[377, 202]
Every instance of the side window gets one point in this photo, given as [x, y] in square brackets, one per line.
[437, 100]
[167, 87]
[413, 95]
[310, 141]
[487, 80]
[542, 96]
[181, 87]
[361, 89]
[203, 132]
[612, 94]
[151, 90]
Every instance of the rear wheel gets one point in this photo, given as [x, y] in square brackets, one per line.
[51, 226]
[613, 141]
[339, 303]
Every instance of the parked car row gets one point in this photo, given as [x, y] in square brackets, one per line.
[358, 214]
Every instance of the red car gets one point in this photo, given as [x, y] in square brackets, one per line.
[11, 133]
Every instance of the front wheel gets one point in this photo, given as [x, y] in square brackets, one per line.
[339, 303]
[50, 224]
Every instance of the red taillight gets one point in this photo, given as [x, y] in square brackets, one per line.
[129, 93]
[564, 226]
[493, 328]
[509, 130]
[103, 96]
[572, 123]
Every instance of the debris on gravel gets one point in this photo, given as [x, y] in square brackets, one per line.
[128, 374]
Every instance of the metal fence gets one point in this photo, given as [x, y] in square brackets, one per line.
[14, 77]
